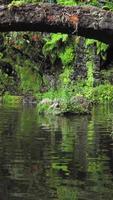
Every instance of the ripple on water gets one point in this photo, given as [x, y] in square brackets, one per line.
[58, 158]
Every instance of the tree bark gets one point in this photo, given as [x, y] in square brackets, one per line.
[86, 21]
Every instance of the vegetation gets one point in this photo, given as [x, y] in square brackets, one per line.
[55, 157]
[44, 66]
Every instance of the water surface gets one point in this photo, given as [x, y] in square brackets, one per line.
[56, 158]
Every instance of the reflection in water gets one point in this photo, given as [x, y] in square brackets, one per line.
[58, 158]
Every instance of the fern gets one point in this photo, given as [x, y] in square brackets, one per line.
[51, 43]
[67, 55]
[101, 47]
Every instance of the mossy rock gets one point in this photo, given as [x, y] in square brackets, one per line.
[29, 99]
[75, 105]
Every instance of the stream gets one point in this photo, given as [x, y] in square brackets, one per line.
[54, 157]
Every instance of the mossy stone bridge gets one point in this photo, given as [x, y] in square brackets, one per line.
[86, 21]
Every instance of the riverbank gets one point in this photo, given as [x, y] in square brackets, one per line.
[78, 99]
[74, 105]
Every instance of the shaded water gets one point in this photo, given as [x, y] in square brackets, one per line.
[58, 158]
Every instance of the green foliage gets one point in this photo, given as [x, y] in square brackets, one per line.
[107, 75]
[67, 55]
[54, 47]
[108, 5]
[29, 81]
[94, 2]
[58, 46]
[52, 42]
[43, 108]
[90, 69]
[89, 42]
[65, 76]
[6, 83]
[103, 93]
[51, 94]
[101, 47]
[11, 99]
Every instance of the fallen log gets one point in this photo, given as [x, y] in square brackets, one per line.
[86, 21]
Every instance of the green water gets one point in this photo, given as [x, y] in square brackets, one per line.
[56, 158]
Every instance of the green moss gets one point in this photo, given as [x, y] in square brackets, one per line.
[15, 3]
[18, 3]
[11, 99]
[67, 2]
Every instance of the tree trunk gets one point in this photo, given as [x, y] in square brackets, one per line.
[86, 21]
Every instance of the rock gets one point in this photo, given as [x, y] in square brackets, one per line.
[45, 101]
[55, 104]
[29, 99]
[76, 105]
[82, 101]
